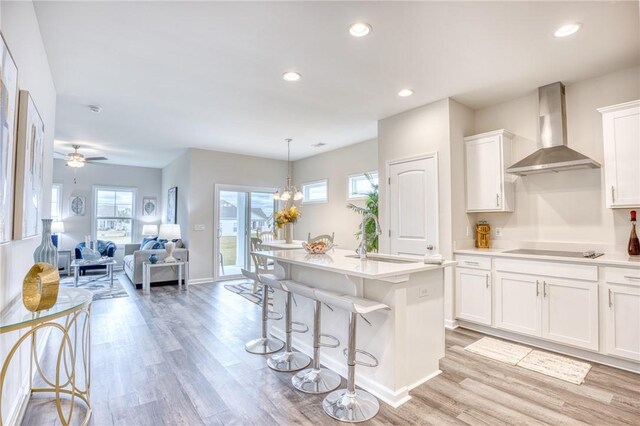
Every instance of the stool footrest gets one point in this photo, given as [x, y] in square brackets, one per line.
[330, 337]
[275, 316]
[304, 326]
[365, 353]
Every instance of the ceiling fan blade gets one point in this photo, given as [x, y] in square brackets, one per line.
[95, 159]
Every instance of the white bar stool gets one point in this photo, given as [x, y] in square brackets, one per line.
[288, 360]
[351, 404]
[315, 379]
[265, 344]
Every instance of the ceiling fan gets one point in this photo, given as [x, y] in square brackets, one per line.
[76, 160]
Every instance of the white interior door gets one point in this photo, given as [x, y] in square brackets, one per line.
[413, 205]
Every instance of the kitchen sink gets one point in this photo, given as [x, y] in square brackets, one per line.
[378, 258]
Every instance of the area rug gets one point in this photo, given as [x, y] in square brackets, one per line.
[546, 363]
[499, 350]
[557, 366]
[100, 288]
[245, 289]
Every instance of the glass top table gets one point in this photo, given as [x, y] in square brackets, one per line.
[16, 316]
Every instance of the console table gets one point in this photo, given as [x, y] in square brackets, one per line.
[69, 318]
[183, 273]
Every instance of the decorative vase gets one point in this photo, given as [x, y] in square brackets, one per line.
[288, 233]
[46, 252]
[40, 286]
[153, 258]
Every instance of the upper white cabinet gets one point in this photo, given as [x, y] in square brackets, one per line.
[621, 132]
[489, 188]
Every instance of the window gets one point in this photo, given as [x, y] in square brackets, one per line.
[315, 192]
[358, 186]
[113, 214]
[56, 201]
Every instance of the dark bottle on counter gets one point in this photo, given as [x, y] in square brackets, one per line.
[634, 243]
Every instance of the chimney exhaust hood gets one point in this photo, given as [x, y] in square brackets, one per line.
[554, 155]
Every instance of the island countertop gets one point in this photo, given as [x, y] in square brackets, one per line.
[339, 260]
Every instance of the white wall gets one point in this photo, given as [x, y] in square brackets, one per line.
[206, 169]
[178, 174]
[22, 34]
[146, 180]
[567, 207]
[333, 216]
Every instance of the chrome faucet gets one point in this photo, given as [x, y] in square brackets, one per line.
[362, 248]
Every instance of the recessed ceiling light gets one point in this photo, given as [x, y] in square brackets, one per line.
[359, 29]
[405, 92]
[291, 76]
[567, 30]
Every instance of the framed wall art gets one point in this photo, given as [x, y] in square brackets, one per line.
[172, 205]
[8, 120]
[29, 163]
[149, 206]
[77, 205]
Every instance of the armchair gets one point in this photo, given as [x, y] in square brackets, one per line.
[106, 248]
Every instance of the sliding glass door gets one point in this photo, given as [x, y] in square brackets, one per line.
[241, 213]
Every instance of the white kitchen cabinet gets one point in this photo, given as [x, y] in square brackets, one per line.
[518, 303]
[473, 295]
[570, 312]
[621, 137]
[623, 321]
[489, 187]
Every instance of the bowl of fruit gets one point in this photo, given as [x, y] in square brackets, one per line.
[318, 247]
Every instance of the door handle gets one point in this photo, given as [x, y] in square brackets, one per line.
[544, 289]
[537, 288]
[610, 301]
[487, 285]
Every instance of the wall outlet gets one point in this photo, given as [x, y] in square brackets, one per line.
[198, 227]
[498, 232]
[423, 292]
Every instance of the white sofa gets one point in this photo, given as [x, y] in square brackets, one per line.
[133, 258]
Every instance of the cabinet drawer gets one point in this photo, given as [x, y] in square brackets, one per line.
[549, 269]
[629, 276]
[475, 262]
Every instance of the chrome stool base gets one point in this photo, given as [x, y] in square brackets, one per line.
[288, 361]
[316, 380]
[264, 345]
[355, 407]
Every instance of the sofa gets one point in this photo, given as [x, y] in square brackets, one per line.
[133, 258]
[105, 248]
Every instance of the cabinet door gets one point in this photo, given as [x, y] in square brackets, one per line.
[518, 299]
[570, 312]
[484, 174]
[621, 131]
[473, 295]
[623, 322]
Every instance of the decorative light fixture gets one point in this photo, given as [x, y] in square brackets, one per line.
[291, 76]
[149, 230]
[359, 29]
[567, 30]
[289, 191]
[169, 232]
[405, 92]
[75, 159]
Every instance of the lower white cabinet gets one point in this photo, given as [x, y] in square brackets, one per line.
[623, 321]
[564, 311]
[473, 295]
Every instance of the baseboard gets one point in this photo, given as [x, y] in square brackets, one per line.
[200, 281]
[451, 324]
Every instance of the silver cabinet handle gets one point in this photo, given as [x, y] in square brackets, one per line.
[469, 262]
[544, 288]
[631, 277]
[610, 301]
[487, 286]
[497, 200]
[430, 247]
[613, 194]
[537, 288]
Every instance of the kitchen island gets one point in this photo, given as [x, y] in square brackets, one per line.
[408, 340]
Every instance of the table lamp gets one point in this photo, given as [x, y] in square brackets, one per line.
[169, 232]
[57, 227]
[149, 230]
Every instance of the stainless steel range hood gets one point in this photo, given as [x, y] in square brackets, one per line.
[554, 155]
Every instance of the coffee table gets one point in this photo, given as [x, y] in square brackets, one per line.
[77, 263]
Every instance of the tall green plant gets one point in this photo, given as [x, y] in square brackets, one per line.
[371, 206]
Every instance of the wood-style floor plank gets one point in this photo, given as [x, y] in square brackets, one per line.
[178, 358]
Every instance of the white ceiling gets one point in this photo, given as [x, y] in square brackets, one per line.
[172, 75]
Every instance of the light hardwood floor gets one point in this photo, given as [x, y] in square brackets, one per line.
[178, 359]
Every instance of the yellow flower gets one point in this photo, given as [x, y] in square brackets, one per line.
[287, 215]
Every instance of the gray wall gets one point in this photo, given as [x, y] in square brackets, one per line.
[333, 216]
[147, 181]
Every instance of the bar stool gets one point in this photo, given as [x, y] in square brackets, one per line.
[265, 344]
[315, 379]
[288, 360]
[351, 404]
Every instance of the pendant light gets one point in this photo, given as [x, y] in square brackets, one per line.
[289, 191]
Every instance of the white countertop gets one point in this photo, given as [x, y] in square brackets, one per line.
[614, 259]
[337, 261]
[282, 245]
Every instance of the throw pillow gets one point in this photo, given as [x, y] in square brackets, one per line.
[149, 245]
[145, 241]
[159, 244]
